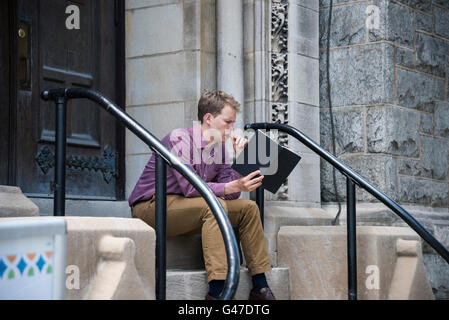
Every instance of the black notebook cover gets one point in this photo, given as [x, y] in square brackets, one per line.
[274, 161]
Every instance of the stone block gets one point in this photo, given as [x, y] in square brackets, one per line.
[417, 90]
[379, 170]
[414, 190]
[304, 39]
[441, 21]
[154, 30]
[134, 168]
[185, 252]
[307, 120]
[310, 4]
[431, 54]
[208, 75]
[150, 118]
[442, 119]
[442, 3]
[439, 194]
[426, 123]
[304, 182]
[392, 130]
[248, 26]
[355, 71]
[316, 257]
[199, 25]
[348, 130]
[422, 5]
[136, 4]
[88, 250]
[347, 25]
[439, 278]
[249, 76]
[190, 113]
[411, 167]
[423, 22]
[409, 280]
[165, 78]
[86, 208]
[13, 203]
[327, 2]
[405, 57]
[303, 79]
[396, 24]
[192, 284]
[434, 157]
[276, 216]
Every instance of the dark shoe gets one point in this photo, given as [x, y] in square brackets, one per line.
[265, 294]
[209, 297]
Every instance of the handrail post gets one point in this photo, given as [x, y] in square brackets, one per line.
[260, 202]
[161, 224]
[351, 239]
[60, 156]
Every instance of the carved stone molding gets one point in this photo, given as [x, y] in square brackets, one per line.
[279, 74]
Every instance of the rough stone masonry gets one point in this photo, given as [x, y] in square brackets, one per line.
[388, 71]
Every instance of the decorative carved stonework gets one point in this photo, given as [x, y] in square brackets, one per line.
[106, 164]
[279, 49]
[279, 74]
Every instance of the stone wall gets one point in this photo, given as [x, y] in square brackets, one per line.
[389, 90]
[388, 70]
[170, 61]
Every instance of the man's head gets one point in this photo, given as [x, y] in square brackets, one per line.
[217, 111]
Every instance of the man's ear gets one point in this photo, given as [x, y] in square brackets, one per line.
[207, 117]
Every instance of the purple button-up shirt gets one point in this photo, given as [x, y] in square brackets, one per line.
[212, 164]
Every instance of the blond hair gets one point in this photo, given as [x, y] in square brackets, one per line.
[213, 102]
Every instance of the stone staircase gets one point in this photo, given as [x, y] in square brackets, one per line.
[186, 277]
[308, 256]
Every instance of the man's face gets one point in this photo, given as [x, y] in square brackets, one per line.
[223, 122]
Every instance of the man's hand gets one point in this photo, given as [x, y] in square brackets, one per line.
[239, 144]
[246, 184]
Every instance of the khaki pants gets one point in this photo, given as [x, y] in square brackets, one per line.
[192, 215]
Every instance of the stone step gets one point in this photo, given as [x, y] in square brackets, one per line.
[192, 284]
[86, 207]
[279, 216]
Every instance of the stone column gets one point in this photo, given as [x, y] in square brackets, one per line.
[282, 82]
[170, 62]
[229, 20]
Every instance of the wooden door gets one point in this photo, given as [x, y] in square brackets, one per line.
[49, 55]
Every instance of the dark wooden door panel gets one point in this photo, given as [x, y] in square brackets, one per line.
[4, 92]
[68, 58]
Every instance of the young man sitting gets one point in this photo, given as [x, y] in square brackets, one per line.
[188, 212]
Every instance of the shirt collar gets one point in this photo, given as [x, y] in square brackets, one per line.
[196, 132]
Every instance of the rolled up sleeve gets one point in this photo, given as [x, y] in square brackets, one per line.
[226, 174]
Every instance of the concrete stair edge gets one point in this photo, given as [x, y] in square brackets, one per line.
[183, 284]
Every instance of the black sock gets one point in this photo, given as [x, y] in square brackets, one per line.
[215, 288]
[259, 282]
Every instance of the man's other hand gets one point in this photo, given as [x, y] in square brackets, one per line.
[239, 144]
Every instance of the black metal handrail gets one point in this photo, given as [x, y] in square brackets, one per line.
[163, 156]
[353, 178]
